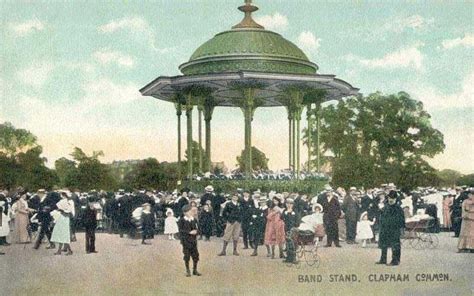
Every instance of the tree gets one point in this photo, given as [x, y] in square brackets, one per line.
[196, 151]
[8, 171]
[66, 171]
[33, 172]
[91, 173]
[152, 175]
[259, 160]
[375, 139]
[21, 162]
[448, 177]
[467, 180]
[13, 140]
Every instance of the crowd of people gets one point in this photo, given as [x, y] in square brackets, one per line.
[257, 219]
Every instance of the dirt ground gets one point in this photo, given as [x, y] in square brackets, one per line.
[125, 267]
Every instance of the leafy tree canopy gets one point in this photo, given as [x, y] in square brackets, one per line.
[259, 160]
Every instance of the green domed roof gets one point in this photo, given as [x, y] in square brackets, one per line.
[248, 47]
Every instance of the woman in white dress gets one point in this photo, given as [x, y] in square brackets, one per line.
[61, 231]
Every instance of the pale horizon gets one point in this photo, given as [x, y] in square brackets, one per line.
[71, 72]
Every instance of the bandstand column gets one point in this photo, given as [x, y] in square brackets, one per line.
[189, 117]
[290, 137]
[248, 108]
[298, 140]
[310, 127]
[293, 139]
[318, 129]
[289, 142]
[178, 113]
[200, 136]
[208, 109]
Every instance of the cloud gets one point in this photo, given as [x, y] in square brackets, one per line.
[307, 41]
[104, 92]
[413, 22]
[276, 21]
[89, 112]
[35, 75]
[136, 25]
[466, 41]
[29, 26]
[105, 56]
[410, 57]
[85, 67]
[130, 23]
[432, 98]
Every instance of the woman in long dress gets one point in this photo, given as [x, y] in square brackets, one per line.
[447, 202]
[62, 231]
[275, 228]
[466, 236]
[22, 220]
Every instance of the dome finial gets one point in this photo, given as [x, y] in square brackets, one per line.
[248, 21]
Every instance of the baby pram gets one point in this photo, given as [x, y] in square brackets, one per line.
[33, 227]
[305, 245]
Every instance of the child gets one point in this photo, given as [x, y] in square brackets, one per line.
[148, 224]
[188, 230]
[206, 221]
[364, 230]
[314, 222]
[171, 227]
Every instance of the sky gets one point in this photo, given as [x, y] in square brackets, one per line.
[70, 71]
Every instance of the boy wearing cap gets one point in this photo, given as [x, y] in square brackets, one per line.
[232, 214]
[392, 221]
[188, 230]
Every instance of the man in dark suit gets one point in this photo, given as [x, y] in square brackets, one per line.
[47, 203]
[350, 207]
[456, 212]
[332, 212]
[90, 224]
[257, 222]
[392, 222]
[180, 202]
[247, 206]
[208, 195]
[216, 203]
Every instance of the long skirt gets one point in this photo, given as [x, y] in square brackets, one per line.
[466, 236]
[21, 228]
[61, 231]
[446, 218]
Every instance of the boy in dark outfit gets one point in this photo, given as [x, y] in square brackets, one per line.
[148, 223]
[90, 224]
[257, 223]
[392, 221]
[206, 222]
[188, 230]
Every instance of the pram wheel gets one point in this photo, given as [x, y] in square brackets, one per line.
[312, 259]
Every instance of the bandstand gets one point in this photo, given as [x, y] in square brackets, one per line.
[249, 67]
